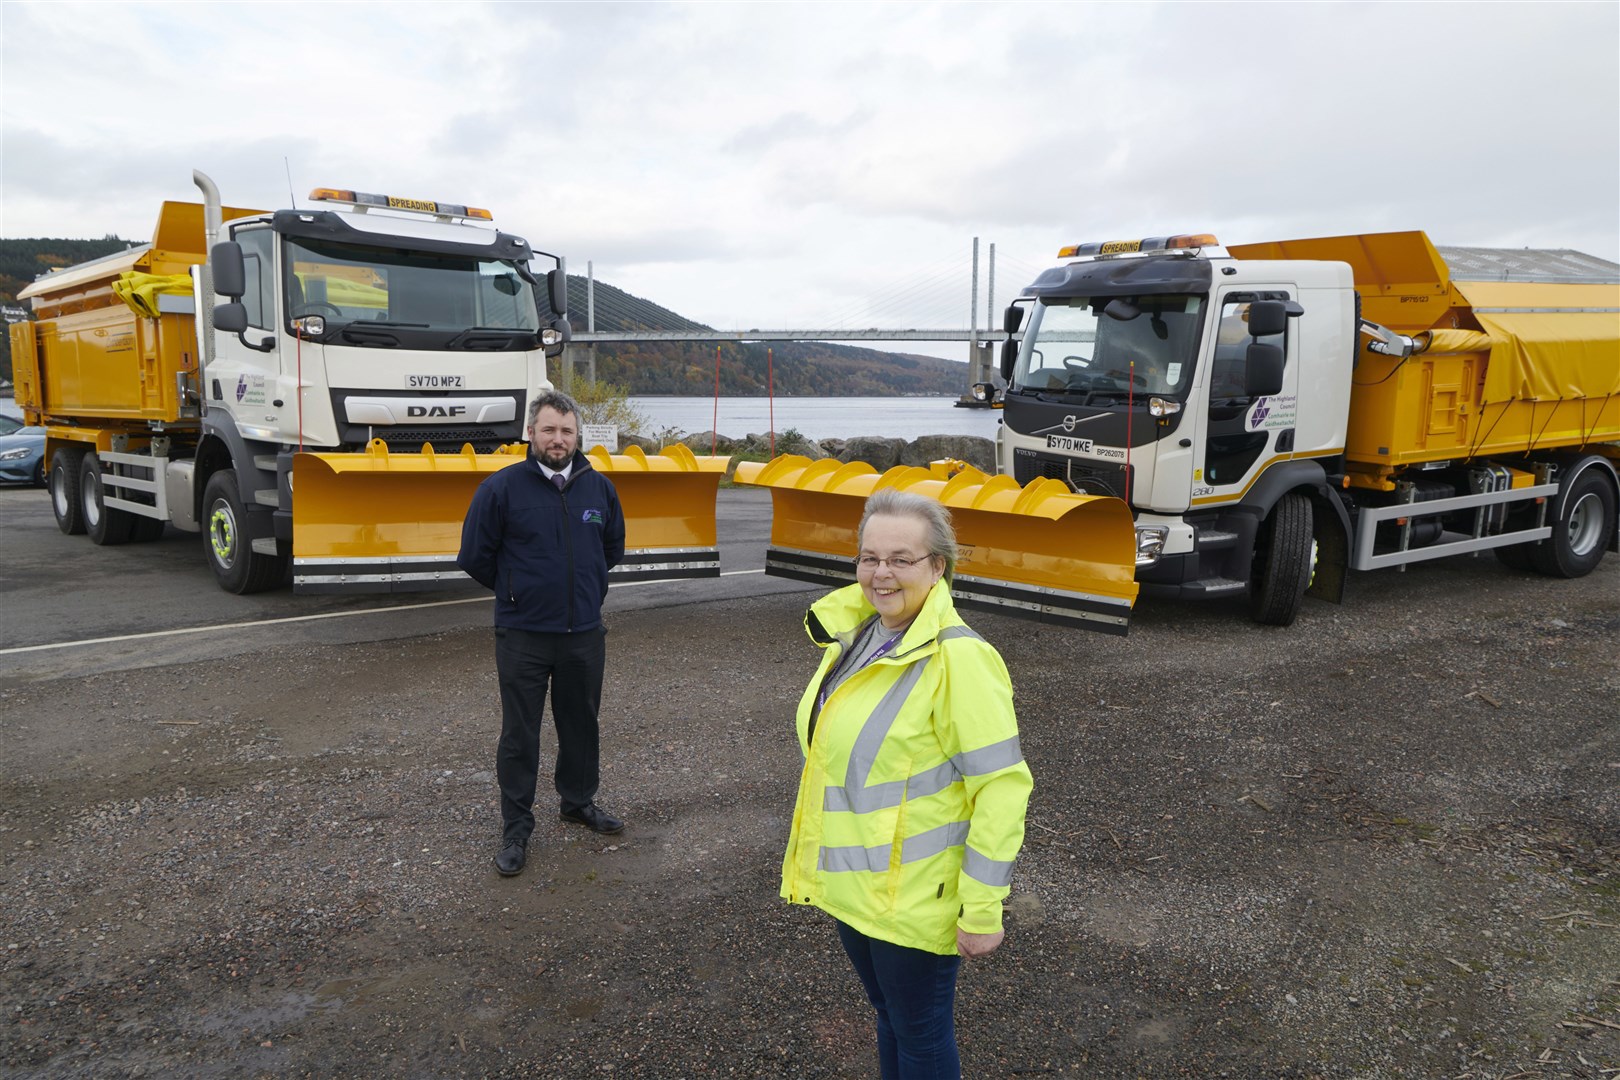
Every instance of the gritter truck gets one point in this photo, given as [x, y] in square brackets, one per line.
[1278, 414]
[373, 354]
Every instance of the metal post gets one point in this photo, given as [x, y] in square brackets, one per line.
[590, 316]
[973, 328]
[989, 317]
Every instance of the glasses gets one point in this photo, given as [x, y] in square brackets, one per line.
[868, 564]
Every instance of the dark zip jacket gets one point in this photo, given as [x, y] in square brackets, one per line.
[546, 553]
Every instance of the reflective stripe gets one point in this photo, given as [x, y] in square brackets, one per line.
[956, 632]
[870, 740]
[988, 759]
[934, 841]
[875, 859]
[922, 846]
[992, 872]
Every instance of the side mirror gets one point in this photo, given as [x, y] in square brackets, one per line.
[560, 334]
[1264, 374]
[1009, 355]
[230, 275]
[557, 285]
[1012, 319]
[1267, 317]
[232, 317]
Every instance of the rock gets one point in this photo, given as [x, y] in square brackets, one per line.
[973, 449]
[881, 453]
[701, 442]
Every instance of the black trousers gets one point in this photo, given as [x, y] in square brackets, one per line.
[526, 663]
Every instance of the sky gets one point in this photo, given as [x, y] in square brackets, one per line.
[823, 165]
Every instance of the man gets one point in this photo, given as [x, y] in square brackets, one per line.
[543, 535]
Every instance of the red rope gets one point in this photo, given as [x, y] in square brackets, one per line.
[714, 425]
[298, 334]
[1130, 410]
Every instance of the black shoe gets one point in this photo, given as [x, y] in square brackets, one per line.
[509, 860]
[596, 819]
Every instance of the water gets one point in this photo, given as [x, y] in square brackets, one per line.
[819, 417]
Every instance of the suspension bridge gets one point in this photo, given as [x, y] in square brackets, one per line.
[930, 294]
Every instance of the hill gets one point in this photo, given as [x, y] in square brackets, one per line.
[798, 368]
[21, 261]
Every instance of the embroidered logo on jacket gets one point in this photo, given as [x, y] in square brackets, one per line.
[592, 517]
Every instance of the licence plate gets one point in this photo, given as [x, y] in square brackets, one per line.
[1068, 442]
[434, 382]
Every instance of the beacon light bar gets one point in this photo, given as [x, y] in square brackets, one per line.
[1180, 242]
[365, 200]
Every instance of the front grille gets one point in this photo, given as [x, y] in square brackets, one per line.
[1085, 477]
[441, 438]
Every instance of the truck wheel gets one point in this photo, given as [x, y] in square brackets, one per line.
[1283, 562]
[1582, 531]
[104, 524]
[146, 530]
[64, 485]
[1515, 557]
[238, 567]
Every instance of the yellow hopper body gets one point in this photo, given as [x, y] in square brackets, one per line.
[391, 522]
[1038, 552]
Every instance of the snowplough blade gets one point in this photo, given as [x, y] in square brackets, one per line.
[391, 522]
[668, 501]
[1039, 552]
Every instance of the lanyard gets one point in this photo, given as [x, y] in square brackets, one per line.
[878, 653]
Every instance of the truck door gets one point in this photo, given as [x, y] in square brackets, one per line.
[1242, 434]
[243, 379]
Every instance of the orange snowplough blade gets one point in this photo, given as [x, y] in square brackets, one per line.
[1039, 552]
[391, 522]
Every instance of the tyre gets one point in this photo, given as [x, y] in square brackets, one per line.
[39, 472]
[64, 486]
[1516, 557]
[146, 530]
[1283, 562]
[1583, 528]
[104, 524]
[236, 565]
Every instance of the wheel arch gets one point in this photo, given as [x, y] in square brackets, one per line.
[1330, 524]
[1571, 468]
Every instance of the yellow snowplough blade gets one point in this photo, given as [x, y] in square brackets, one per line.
[668, 501]
[1039, 552]
[391, 522]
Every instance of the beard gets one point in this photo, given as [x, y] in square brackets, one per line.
[555, 461]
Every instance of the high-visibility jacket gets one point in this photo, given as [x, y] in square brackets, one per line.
[911, 802]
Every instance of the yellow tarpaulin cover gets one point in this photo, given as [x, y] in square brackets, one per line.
[140, 291]
[1549, 342]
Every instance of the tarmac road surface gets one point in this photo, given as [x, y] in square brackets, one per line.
[73, 607]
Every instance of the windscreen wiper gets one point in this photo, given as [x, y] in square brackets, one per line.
[492, 338]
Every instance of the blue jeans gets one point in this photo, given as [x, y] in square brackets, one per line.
[914, 993]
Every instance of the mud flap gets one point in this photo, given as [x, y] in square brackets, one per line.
[377, 521]
[1039, 552]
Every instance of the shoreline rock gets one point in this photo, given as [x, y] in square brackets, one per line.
[879, 451]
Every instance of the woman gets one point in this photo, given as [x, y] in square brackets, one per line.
[911, 803]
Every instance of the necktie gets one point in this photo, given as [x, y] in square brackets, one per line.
[557, 478]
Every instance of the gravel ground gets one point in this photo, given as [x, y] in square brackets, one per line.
[1384, 842]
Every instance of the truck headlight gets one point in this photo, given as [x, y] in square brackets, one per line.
[1150, 543]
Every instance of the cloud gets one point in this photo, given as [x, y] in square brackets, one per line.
[793, 162]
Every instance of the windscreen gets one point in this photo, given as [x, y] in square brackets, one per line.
[386, 289]
[1071, 349]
